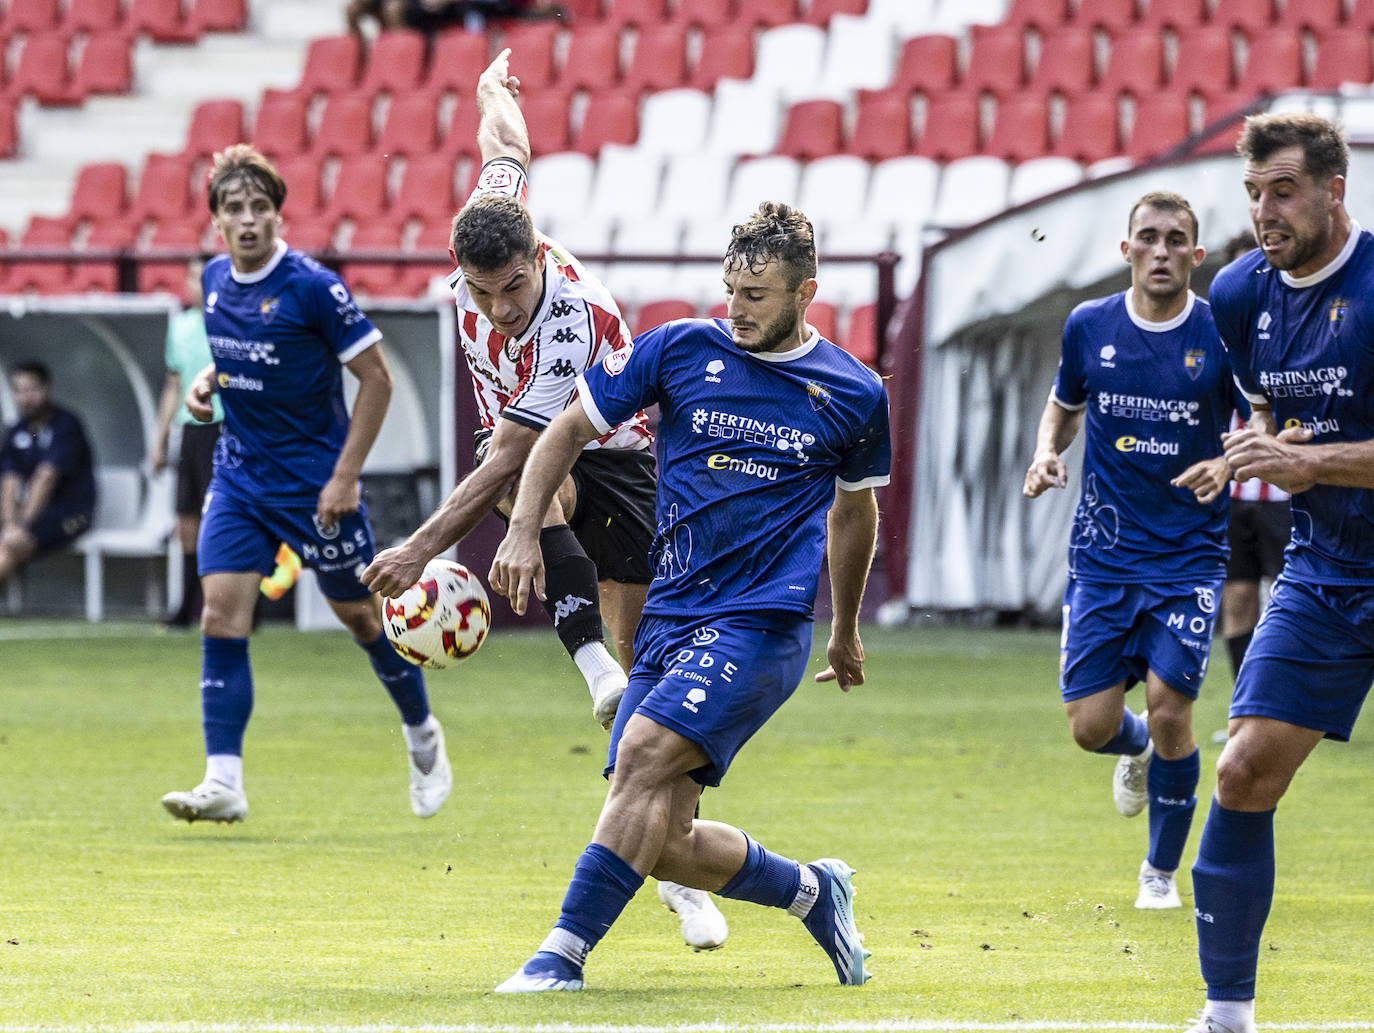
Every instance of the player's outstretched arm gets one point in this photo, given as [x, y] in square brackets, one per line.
[1206, 479]
[1058, 427]
[518, 565]
[852, 527]
[501, 131]
[396, 569]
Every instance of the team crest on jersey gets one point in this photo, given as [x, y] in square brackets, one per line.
[269, 308]
[615, 362]
[1335, 315]
[1193, 361]
[495, 177]
[818, 396]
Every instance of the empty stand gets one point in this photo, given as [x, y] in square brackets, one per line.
[29, 16]
[861, 335]
[593, 59]
[664, 310]
[705, 14]
[1043, 15]
[1217, 108]
[971, 189]
[42, 232]
[279, 128]
[833, 190]
[811, 129]
[1135, 64]
[359, 189]
[927, 64]
[559, 182]
[105, 65]
[1343, 55]
[218, 16]
[533, 47]
[169, 274]
[1247, 15]
[1180, 15]
[456, 60]
[42, 71]
[626, 183]
[426, 188]
[775, 177]
[163, 20]
[100, 193]
[215, 125]
[951, 128]
[1091, 129]
[1020, 129]
[1273, 62]
[373, 278]
[726, 53]
[1313, 15]
[882, 125]
[91, 16]
[411, 124]
[1205, 62]
[1110, 16]
[695, 185]
[783, 51]
[303, 190]
[395, 63]
[345, 127]
[820, 12]
[163, 191]
[332, 64]
[9, 127]
[660, 58]
[674, 121]
[1160, 121]
[611, 117]
[634, 13]
[996, 60]
[858, 55]
[745, 118]
[766, 14]
[825, 317]
[459, 137]
[548, 116]
[1040, 177]
[1067, 62]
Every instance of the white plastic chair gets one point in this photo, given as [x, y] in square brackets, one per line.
[559, 183]
[134, 518]
[746, 118]
[674, 121]
[971, 190]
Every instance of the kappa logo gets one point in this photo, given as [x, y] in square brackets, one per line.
[695, 697]
[561, 309]
[714, 368]
[564, 334]
[567, 606]
[562, 368]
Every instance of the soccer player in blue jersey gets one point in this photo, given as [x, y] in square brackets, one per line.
[771, 442]
[1145, 372]
[1297, 318]
[282, 328]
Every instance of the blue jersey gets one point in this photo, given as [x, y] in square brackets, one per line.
[280, 337]
[750, 449]
[1307, 346]
[60, 443]
[1158, 398]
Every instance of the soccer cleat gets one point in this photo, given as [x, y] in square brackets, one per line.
[831, 921]
[1158, 892]
[429, 789]
[545, 971]
[606, 697]
[1129, 791]
[703, 926]
[1207, 1024]
[209, 801]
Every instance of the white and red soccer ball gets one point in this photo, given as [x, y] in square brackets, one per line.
[441, 619]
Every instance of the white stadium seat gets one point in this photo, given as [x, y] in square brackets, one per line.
[674, 121]
[971, 190]
[559, 183]
[746, 118]
[133, 518]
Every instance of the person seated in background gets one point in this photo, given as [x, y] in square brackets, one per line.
[47, 478]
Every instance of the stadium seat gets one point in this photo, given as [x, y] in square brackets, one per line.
[825, 318]
[745, 118]
[1205, 62]
[1218, 107]
[996, 62]
[782, 51]
[279, 127]
[1090, 131]
[637, 14]
[1135, 64]
[215, 125]
[774, 177]
[1179, 15]
[332, 64]
[1273, 62]
[135, 518]
[951, 128]
[612, 116]
[373, 278]
[91, 16]
[861, 335]
[105, 65]
[704, 14]
[1110, 16]
[1343, 55]
[26, 17]
[411, 124]
[1042, 15]
[593, 60]
[664, 310]
[1246, 15]
[395, 63]
[9, 127]
[695, 184]
[345, 127]
[1361, 15]
[766, 14]
[1041, 177]
[426, 188]
[163, 20]
[548, 117]
[42, 71]
[626, 183]
[1066, 64]
[169, 274]
[102, 276]
[971, 190]
[163, 191]
[313, 236]
[812, 128]
[833, 190]
[533, 46]
[660, 58]
[820, 12]
[674, 121]
[559, 182]
[1020, 129]
[1313, 15]
[42, 232]
[303, 190]
[882, 125]
[459, 137]
[218, 16]
[726, 53]
[100, 193]
[359, 189]
[456, 59]
[927, 64]
[1160, 122]
[858, 56]
[414, 278]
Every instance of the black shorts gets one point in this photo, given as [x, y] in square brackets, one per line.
[195, 466]
[57, 526]
[614, 519]
[1259, 533]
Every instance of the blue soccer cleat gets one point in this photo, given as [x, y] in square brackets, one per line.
[831, 921]
[544, 971]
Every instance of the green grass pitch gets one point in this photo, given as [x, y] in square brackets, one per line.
[995, 879]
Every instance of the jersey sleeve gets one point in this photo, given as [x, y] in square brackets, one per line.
[1070, 388]
[624, 382]
[868, 462]
[1229, 314]
[338, 318]
[504, 176]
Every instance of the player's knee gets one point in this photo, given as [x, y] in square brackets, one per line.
[1089, 732]
[1246, 782]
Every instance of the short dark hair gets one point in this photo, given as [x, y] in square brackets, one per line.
[242, 164]
[1238, 245]
[34, 368]
[778, 232]
[1167, 201]
[491, 230]
[1324, 149]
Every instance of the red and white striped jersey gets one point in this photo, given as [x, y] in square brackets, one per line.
[533, 378]
[1254, 490]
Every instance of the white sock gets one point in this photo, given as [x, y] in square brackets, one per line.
[421, 736]
[566, 945]
[225, 768]
[807, 893]
[1238, 1015]
[594, 660]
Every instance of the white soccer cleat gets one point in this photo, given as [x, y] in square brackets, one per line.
[606, 697]
[209, 801]
[703, 926]
[1206, 1024]
[429, 789]
[1130, 792]
[1158, 891]
[542, 973]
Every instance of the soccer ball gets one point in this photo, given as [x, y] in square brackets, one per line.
[440, 619]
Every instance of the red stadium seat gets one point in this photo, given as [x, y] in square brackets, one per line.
[660, 58]
[705, 14]
[927, 64]
[41, 71]
[726, 53]
[1066, 64]
[345, 127]
[1135, 64]
[1180, 15]
[426, 188]
[637, 13]
[303, 190]
[102, 276]
[433, 237]
[9, 127]
[459, 137]
[42, 277]
[360, 189]
[996, 60]
[332, 64]
[1044, 15]
[1204, 63]
[455, 62]
[215, 125]
[377, 279]
[861, 336]
[1161, 121]
[821, 11]
[1343, 55]
[665, 310]
[1273, 62]
[951, 129]
[548, 116]
[91, 16]
[1314, 15]
[100, 193]
[23, 17]
[411, 125]
[812, 129]
[1090, 130]
[533, 45]
[1361, 15]
[161, 19]
[1247, 15]
[313, 236]
[395, 63]
[767, 14]
[105, 66]
[163, 191]
[580, 11]
[593, 60]
[612, 117]
[1020, 130]
[1111, 16]
[825, 318]
[218, 16]
[1217, 108]
[882, 125]
[280, 126]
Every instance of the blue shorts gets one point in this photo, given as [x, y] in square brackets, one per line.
[715, 683]
[57, 526]
[1116, 633]
[237, 536]
[1311, 662]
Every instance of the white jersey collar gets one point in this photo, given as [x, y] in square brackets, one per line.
[258, 275]
[1158, 328]
[807, 346]
[1332, 267]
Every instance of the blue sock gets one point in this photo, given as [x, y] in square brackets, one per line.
[226, 693]
[1233, 886]
[1172, 785]
[765, 878]
[1132, 737]
[602, 884]
[400, 677]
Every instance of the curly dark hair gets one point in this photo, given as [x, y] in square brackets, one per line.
[242, 165]
[776, 232]
[490, 231]
[1325, 151]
